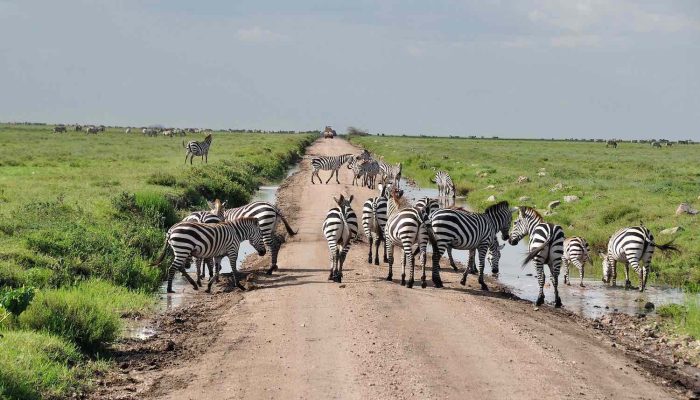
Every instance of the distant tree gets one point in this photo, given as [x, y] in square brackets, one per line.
[353, 131]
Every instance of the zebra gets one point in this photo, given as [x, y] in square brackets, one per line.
[78, 128]
[427, 207]
[390, 173]
[365, 169]
[266, 214]
[328, 163]
[374, 216]
[193, 239]
[406, 226]
[339, 227]
[195, 148]
[546, 246]
[91, 129]
[632, 246]
[577, 252]
[611, 143]
[445, 184]
[465, 230]
[214, 216]
[127, 131]
[59, 129]
[656, 144]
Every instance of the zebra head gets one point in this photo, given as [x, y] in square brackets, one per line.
[501, 217]
[526, 221]
[607, 268]
[344, 203]
[217, 207]
[427, 206]
[255, 236]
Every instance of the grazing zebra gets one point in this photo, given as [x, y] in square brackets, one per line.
[407, 227]
[466, 230]
[656, 144]
[328, 163]
[365, 169]
[199, 149]
[444, 183]
[59, 129]
[169, 133]
[632, 246]
[339, 227]
[193, 239]
[91, 129]
[214, 216]
[78, 128]
[374, 215]
[546, 246]
[611, 143]
[577, 252]
[266, 214]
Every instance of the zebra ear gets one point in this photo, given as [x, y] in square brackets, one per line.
[350, 198]
[337, 201]
[211, 204]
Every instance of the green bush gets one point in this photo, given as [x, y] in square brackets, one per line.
[16, 300]
[162, 179]
[156, 204]
[11, 274]
[214, 183]
[35, 365]
[74, 315]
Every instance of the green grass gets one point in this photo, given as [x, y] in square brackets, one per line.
[683, 318]
[80, 218]
[618, 187]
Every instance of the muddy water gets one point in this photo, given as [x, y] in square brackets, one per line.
[592, 300]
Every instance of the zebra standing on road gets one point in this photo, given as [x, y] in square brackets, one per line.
[339, 227]
[466, 230]
[632, 246]
[444, 184]
[374, 215]
[407, 227]
[195, 148]
[367, 170]
[266, 214]
[546, 246]
[577, 252]
[192, 239]
[390, 173]
[328, 163]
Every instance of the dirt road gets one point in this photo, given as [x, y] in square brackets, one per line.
[299, 336]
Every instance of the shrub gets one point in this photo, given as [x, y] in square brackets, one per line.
[74, 315]
[11, 274]
[16, 300]
[156, 204]
[162, 179]
[215, 184]
[35, 365]
[38, 277]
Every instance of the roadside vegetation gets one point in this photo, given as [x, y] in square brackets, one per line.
[80, 217]
[616, 187]
[683, 318]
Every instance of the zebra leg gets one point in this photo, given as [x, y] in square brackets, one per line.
[342, 261]
[330, 177]
[383, 238]
[613, 267]
[336, 176]
[554, 277]
[377, 244]
[403, 267]
[412, 263]
[580, 266]
[332, 259]
[313, 173]
[273, 243]
[187, 155]
[212, 277]
[437, 253]
[565, 264]
[483, 249]
[628, 283]
[369, 258]
[389, 247]
[539, 267]
[452, 260]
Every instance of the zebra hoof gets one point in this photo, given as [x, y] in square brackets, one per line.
[484, 287]
[171, 291]
[330, 277]
[463, 281]
[389, 277]
[369, 260]
[540, 301]
[376, 262]
[557, 303]
[581, 285]
[494, 271]
[424, 285]
[410, 284]
[208, 290]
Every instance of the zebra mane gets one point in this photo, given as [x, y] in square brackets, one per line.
[531, 212]
[496, 207]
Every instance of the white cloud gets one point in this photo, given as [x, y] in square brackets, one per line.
[257, 34]
[575, 41]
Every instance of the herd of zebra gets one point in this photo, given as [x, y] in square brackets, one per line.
[150, 131]
[392, 219]
[652, 143]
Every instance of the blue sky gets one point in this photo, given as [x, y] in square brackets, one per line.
[529, 68]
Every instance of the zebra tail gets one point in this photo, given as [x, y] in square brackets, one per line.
[289, 229]
[431, 235]
[162, 254]
[534, 252]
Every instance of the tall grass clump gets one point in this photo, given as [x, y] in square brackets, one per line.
[684, 318]
[38, 365]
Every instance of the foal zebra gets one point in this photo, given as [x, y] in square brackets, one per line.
[444, 184]
[199, 149]
[632, 246]
[339, 227]
[374, 215]
[266, 215]
[577, 252]
[465, 230]
[328, 163]
[192, 239]
[546, 246]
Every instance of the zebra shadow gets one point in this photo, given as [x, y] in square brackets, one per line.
[494, 293]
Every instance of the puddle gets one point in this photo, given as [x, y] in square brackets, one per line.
[591, 301]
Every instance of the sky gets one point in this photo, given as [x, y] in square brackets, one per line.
[527, 68]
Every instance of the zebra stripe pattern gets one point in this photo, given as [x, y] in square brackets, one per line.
[266, 214]
[465, 230]
[367, 170]
[577, 252]
[374, 216]
[546, 247]
[214, 216]
[444, 184]
[199, 149]
[390, 173]
[328, 163]
[339, 227]
[206, 241]
[633, 246]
